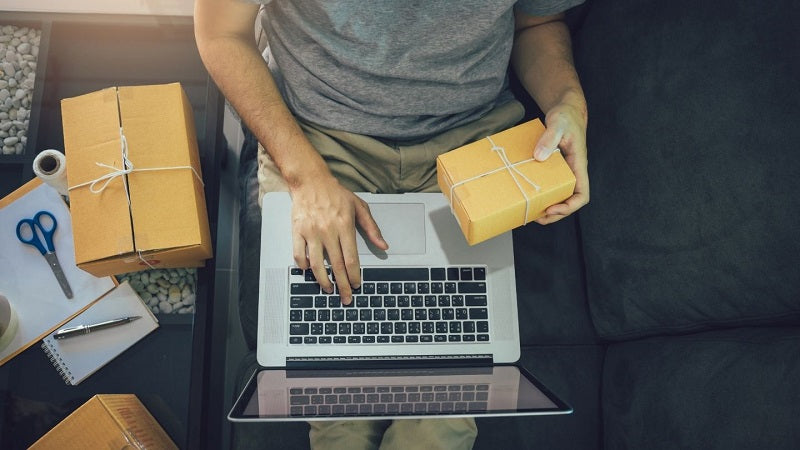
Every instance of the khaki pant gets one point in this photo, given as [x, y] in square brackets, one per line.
[365, 164]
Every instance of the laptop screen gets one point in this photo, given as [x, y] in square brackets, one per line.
[279, 394]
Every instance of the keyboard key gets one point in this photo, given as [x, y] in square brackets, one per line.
[351, 315]
[337, 315]
[423, 288]
[309, 315]
[393, 314]
[298, 329]
[368, 288]
[396, 338]
[475, 300]
[353, 339]
[449, 314]
[320, 301]
[324, 410]
[300, 400]
[373, 328]
[345, 328]
[479, 273]
[310, 340]
[420, 314]
[452, 273]
[409, 288]
[296, 271]
[457, 300]
[472, 287]
[396, 288]
[324, 340]
[412, 338]
[483, 327]
[365, 315]
[301, 302]
[295, 340]
[450, 287]
[296, 315]
[466, 273]
[395, 274]
[375, 301]
[368, 339]
[390, 301]
[382, 339]
[438, 274]
[309, 275]
[403, 301]
[426, 338]
[304, 288]
[382, 288]
[468, 338]
[455, 327]
[444, 300]
[416, 301]
[454, 338]
[440, 338]
[400, 328]
[430, 301]
[362, 301]
[461, 314]
[359, 328]
[414, 328]
[324, 315]
[483, 338]
[437, 288]
[334, 301]
[379, 314]
[316, 329]
[386, 328]
[478, 313]
[407, 314]
[339, 339]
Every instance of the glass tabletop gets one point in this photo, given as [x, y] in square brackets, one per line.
[167, 369]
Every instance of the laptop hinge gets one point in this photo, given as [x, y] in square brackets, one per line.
[386, 362]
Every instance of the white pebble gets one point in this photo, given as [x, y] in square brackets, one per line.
[165, 307]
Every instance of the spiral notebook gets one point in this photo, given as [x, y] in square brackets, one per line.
[78, 357]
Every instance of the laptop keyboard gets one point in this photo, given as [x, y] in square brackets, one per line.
[408, 305]
[389, 400]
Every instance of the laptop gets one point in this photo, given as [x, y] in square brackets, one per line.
[432, 331]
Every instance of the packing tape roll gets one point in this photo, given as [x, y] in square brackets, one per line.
[51, 167]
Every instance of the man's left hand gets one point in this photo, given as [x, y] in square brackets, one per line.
[566, 130]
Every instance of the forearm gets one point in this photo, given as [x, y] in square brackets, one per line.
[237, 67]
[542, 59]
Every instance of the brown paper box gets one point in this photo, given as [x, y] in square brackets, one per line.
[107, 421]
[166, 222]
[486, 200]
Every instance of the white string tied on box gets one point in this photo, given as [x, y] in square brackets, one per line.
[127, 168]
[512, 170]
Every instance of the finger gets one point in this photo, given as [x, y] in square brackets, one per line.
[299, 251]
[317, 263]
[548, 142]
[351, 261]
[339, 273]
[367, 223]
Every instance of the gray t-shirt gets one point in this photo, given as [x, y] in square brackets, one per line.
[391, 68]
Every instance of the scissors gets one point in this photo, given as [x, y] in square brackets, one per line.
[27, 234]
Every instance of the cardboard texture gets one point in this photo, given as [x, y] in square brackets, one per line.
[486, 200]
[166, 222]
[107, 421]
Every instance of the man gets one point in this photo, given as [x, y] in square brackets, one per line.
[363, 95]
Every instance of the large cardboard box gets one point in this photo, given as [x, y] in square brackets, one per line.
[135, 181]
[107, 421]
[495, 185]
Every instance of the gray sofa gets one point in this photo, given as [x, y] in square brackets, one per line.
[667, 312]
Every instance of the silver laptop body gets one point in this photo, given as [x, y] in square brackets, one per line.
[421, 231]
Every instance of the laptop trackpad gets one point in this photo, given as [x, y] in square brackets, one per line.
[402, 226]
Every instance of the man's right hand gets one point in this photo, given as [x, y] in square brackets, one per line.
[324, 219]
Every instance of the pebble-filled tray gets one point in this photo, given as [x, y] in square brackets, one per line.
[166, 291]
[19, 51]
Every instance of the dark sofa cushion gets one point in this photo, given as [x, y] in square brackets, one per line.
[693, 162]
[551, 294]
[729, 389]
[573, 373]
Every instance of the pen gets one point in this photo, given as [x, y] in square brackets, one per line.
[86, 329]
